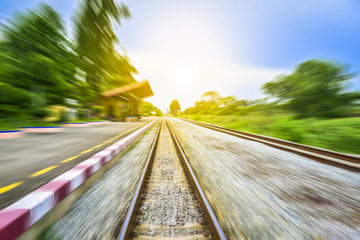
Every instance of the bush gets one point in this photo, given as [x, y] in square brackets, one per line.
[40, 112]
[11, 95]
[83, 113]
[56, 114]
[7, 111]
[97, 109]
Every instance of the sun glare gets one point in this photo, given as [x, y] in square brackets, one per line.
[183, 76]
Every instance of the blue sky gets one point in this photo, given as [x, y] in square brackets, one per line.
[188, 47]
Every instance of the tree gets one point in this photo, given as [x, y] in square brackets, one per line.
[95, 39]
[212, 103]
[175, 107]
[208, 104]
[150, 110]
[34, 60]
[227, 105]
[314, 89]
[210, 96]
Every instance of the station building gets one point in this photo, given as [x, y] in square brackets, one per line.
[123, 102]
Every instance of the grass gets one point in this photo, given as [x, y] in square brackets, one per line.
[339, 135]
[47, 234]
[40, 124]
[77, 121]
[8, 128]
[10, 124]
[96, 119]
[16, 124]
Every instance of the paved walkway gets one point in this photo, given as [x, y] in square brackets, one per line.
[29, 162]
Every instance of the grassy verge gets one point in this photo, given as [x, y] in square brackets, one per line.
[339, 135]
[40, 124]
[96, 120]
[16, 124]
[77, 121]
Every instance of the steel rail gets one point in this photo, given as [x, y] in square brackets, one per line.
[209, 212]
[125, 229]
[342, 160]
[213, 223]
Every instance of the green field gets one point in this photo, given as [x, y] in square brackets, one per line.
[341, 135]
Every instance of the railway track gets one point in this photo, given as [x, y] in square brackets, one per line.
[346, 161]
[169, 201]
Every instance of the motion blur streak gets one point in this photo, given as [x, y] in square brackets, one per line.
[68, 91]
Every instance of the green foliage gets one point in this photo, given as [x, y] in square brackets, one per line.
[175, 107]
[97, 109]
[95, 119]
[148, 109]
[314, 89]
[95, 39]
[40, 112]
[15, 122]
[34, 54]
[47, 234]
[40, 67]
[210, 96]
[76, 121]
[12, 95]
[83, 113]
[212, 103]
[35, 63]
[56, 114]
[335, 134]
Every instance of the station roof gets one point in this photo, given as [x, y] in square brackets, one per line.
[137, 90]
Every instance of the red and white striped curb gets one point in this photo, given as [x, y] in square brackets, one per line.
[18, 217]
[11, 134]
[97, 122]
[42, 129]
[84, 124]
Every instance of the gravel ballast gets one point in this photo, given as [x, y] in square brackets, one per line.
[259, 192]
[169, 206]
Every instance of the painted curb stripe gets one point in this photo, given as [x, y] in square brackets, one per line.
[18, 217]
[39, 203]
[60, 189]
[13, 222]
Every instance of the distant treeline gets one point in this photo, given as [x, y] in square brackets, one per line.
[316, 88]
[148, 109]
